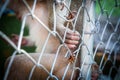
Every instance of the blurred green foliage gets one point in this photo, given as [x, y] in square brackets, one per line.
[107, 6]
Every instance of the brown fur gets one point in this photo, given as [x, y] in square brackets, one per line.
[22, 65]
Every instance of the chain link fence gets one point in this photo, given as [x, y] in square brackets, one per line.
[98, 24]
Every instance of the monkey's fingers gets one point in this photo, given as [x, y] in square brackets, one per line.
[73, 36]
[71, 59]
[95, 72]
[72, 42]
[94, 76]
[72, 15]
[72, 47]
[73, 33]
[15, 39]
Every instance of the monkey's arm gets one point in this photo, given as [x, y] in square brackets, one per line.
[22, 66]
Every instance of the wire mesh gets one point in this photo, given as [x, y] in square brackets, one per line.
[99, 33]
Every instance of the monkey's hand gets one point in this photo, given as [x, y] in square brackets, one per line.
[95, 72]
[72, 40]
[71, 59]
[15, 39]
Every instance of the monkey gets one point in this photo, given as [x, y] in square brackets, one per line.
[33, 39]
[72, 39]
[36, 31]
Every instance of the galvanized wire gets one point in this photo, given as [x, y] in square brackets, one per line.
[98, 27]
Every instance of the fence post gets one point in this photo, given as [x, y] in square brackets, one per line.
[87, 39]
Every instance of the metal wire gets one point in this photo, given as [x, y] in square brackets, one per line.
[103, 28]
